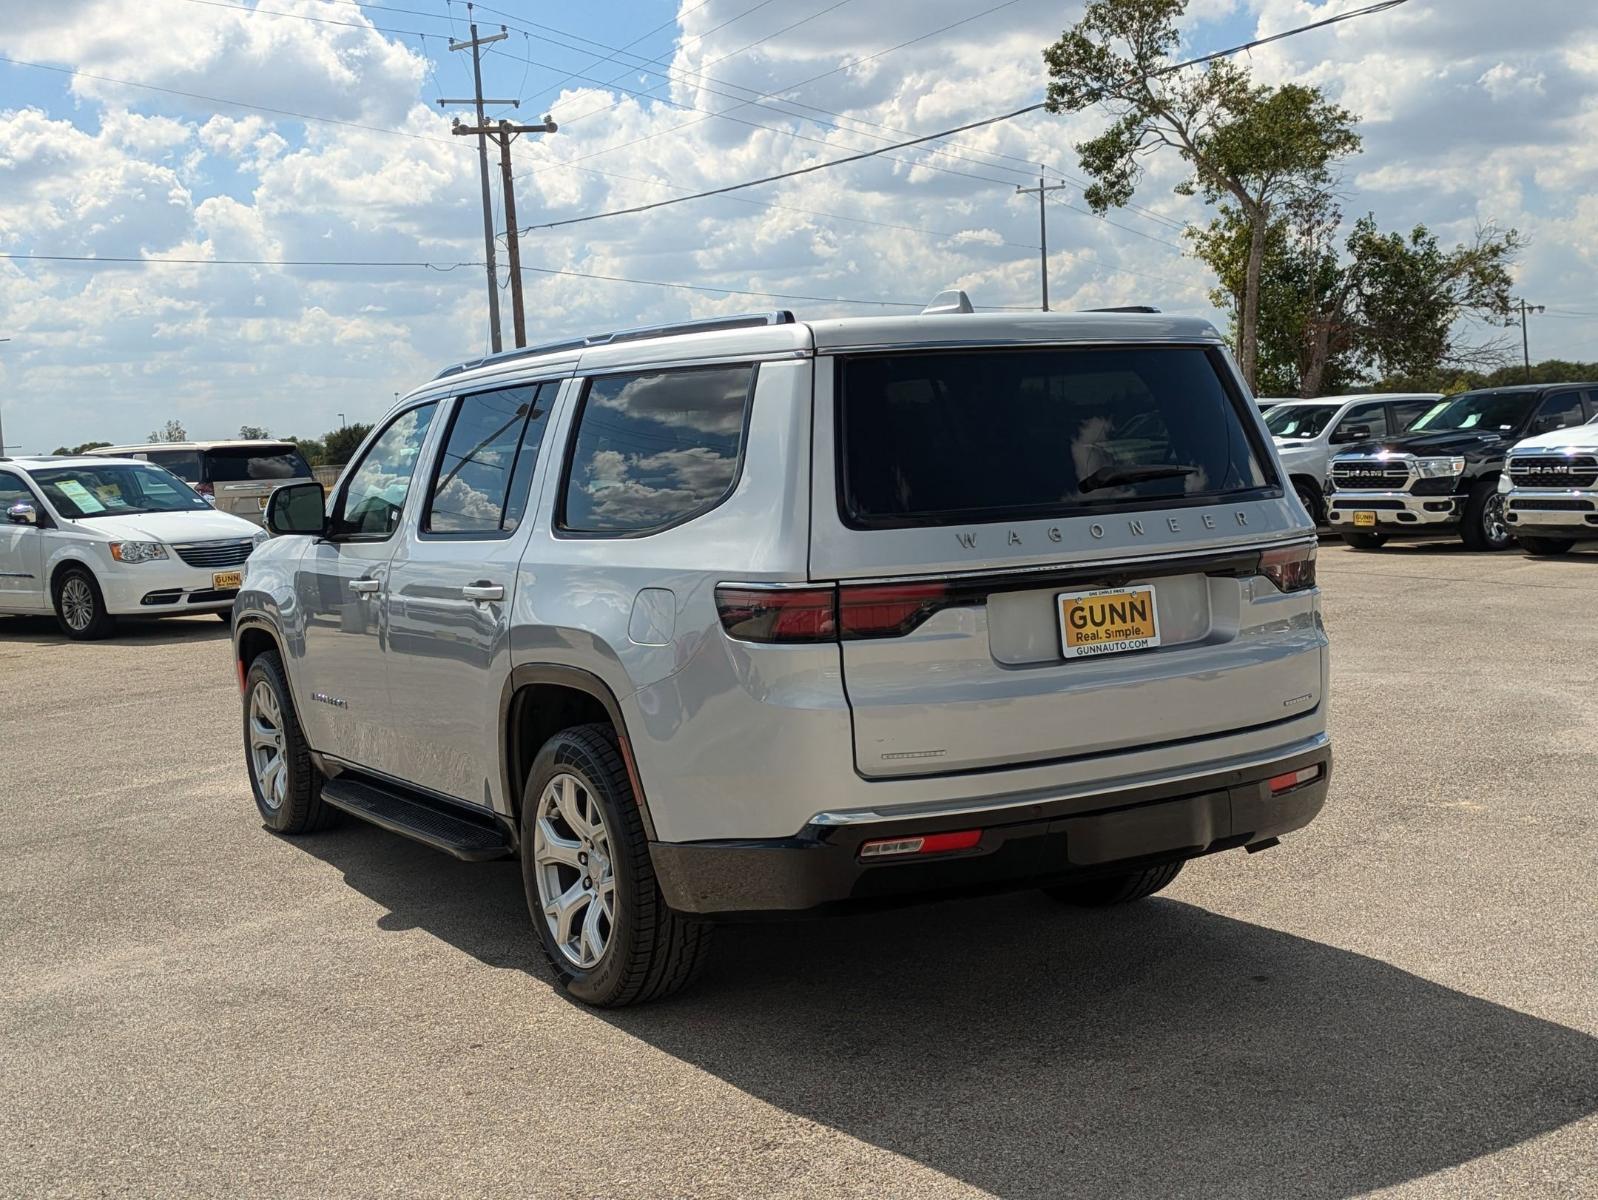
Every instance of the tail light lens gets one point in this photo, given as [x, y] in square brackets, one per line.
[1291, 569]
[887, 610]
[778, 614]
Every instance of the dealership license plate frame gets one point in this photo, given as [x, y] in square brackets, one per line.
[1141, 630]
[1364, 518]
[224, 581]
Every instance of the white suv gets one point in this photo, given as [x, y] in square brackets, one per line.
[1307, 431]
[768, 616]
[92, 539]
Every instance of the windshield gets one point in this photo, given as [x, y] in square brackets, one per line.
[947, 437]
[240, 464]
[1489, 412]
[1299, 420]
[116, 490]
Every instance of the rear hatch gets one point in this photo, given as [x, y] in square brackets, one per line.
[1052, 552]
[241, 478]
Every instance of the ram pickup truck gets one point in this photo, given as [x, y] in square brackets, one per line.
[1551, 490]
[1440, 477]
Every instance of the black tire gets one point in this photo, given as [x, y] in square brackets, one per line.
[1110, 890]
[1310, 497]
[80, 607]
[1546, 547]
[650, 951]
[298, 807]
[1365, 541]
[227, 616]
[1484, 527]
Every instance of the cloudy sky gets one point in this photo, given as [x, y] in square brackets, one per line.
[309, 130]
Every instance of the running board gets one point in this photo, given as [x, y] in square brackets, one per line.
[441, 826]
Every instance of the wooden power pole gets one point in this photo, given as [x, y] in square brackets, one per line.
[1042, 192]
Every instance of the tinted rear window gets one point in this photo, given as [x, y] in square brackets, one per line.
[241, 464]
[942, 438]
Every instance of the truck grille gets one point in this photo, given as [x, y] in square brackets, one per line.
[1370, 475]
[1551, 504]
[215, 554]
[1554, 471]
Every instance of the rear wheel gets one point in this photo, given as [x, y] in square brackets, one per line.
[1484, 527]
[288, 789]
[1546, 547]
[80, 608]
[599, 913]
[1365, 541]
[1109, 890]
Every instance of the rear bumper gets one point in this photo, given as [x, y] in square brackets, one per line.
[1395, 511]
[1023, 846]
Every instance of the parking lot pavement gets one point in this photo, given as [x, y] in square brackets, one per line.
[1402, 997]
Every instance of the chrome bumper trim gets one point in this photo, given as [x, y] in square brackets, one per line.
[1340, 503]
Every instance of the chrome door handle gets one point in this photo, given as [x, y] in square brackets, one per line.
[483, 591]
[365, 586]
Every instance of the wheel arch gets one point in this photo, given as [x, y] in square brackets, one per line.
[253, 638]
[65, 563]
[537, 702]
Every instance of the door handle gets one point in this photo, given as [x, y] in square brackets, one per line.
[365, 586]
[483, 591]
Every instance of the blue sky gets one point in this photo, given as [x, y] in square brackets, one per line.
[1475, 113]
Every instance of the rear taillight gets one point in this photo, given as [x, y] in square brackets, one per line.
[927, 843]
[778, 614]
[1291, 569]
[1293, 779]
[887, 610]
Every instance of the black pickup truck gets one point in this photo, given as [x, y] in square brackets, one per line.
[1440, 476]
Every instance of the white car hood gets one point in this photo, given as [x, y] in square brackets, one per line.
[196, 525]
[1579, 437]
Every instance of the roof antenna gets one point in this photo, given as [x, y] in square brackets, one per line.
[954, 301]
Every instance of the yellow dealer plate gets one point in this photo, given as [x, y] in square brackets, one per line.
[1111, 621]
[227, 579]
[1365, 520]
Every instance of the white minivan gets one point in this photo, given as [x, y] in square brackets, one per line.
[1306, 431]
[93, 539]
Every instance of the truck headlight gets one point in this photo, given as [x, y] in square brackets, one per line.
[1440, 468]
[137, 552]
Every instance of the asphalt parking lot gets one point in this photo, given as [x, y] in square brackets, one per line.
[1403, 999]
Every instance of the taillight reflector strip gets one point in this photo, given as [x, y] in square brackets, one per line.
[889, 609]
[778, 614]
[929, 843]
[1293, 779]
[1291, 568]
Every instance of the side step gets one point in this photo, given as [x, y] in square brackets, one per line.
[443, 827]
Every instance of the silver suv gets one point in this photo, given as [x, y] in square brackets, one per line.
[758, 615]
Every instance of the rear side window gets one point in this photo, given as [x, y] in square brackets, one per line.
[486, 467]
[949, 437]
[244, 464]
[185, 464]
[655, 449]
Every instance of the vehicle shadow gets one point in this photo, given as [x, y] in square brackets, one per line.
[170, 631]
[1034, 1050]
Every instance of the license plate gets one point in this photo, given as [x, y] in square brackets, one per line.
[262, 502]
[1365, 520]
[1109, 621]
[223, 580]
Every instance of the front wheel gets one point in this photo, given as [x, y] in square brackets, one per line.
[1546, 547]
[600, 916]
[1365, 541]
[287, 787]
[1484, 527]
[1110, 890]
[80, 607]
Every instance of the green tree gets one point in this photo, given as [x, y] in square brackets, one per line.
[342, 443]
[1255, 146]
[80, 448]
[254, 433]
[312, 449]
[172, 431]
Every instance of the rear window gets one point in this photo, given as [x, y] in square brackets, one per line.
[943, 438]
[185, 464]
[241, 464]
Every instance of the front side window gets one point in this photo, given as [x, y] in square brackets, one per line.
[1299, 420]
[116, 490]
[948, 437]
[486, 466]
[656, 448]
[374, 496]
[244, 464]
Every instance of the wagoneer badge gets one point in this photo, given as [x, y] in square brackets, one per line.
[1136, 528]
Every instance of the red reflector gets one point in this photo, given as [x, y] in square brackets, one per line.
[778, 614]
[888, 610]
[1291, 569]
[1293, 779]
[930, 843]
[240, 665]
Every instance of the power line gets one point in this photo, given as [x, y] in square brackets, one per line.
[1382, 6]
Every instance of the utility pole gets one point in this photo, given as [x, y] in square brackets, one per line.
[1525, 339]
[474, 45]
[2, 421]
[504, 133]
[1042, 192]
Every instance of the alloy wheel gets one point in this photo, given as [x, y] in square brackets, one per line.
[572, 864]
[77, 603]
[266, 745]
[1493, 524]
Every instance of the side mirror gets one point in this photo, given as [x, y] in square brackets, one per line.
[22, 513]
[298, 508]
[1352, 433]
